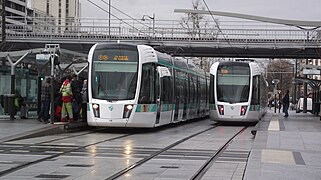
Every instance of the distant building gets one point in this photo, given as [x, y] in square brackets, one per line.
[65, 12]
[22, 19]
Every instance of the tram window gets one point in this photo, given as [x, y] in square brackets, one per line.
[192, 90]
[233, 88]
[167, 90]
[147, 91]
[211, 97]
[255, 93]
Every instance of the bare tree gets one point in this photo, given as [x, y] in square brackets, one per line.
[282, 70]
[193, 22]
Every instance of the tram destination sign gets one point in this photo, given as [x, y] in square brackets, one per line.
[42, 58]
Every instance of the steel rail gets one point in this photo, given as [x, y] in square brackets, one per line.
[142, 161]
[204, 168]
[27, 164]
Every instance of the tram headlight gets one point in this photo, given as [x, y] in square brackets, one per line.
[221, 109]
[96, 110]
[127, 110]
[243, 110]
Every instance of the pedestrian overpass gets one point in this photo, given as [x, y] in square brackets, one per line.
[246, 39]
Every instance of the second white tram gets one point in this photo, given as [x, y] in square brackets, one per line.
[238, 91]
[137, 86]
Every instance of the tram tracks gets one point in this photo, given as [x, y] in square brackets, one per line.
[153, 155]
[205, 167]
[199, 173]
[169, 150]
[66, 151]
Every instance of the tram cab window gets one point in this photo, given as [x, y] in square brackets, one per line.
[233, 83]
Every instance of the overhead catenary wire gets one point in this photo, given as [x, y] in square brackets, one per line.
[115, 16]
[219, 29]
[125, 14]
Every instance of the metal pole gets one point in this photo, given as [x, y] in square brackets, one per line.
[39, 94]
[295, 86]
[52, 95]
[153, 24]
[109, 9]
[274, 103]
[13, 87]
[3, 24]
[305, 91]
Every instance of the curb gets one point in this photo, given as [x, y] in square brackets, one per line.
[50, 130]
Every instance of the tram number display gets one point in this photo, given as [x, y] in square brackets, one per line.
[114, 58]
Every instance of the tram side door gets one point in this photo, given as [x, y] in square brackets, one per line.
[164, 111]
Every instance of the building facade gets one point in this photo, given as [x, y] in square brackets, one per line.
[65, 12]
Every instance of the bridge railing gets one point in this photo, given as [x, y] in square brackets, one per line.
[98, 29]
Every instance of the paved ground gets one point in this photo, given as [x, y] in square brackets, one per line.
[21, 128]
[284, 148]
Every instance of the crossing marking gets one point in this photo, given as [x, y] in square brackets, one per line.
[274, 124]
[277, 156]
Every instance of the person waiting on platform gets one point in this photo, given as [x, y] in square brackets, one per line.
[286, 103]
[45, 102]
[66, 94]
[84, 99]
[19, 104]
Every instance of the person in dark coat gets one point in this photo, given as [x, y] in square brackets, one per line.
[76, 100]
[286, 103]
[84, 100]
[45, 101]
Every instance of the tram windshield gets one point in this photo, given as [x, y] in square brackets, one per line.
[114, 73]
[233, 83]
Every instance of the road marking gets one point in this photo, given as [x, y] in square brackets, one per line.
[274, 124]
[277, 156]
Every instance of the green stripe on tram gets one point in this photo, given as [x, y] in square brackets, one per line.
[212, 106]
[146, 108]
[153, 107]
[254, 108]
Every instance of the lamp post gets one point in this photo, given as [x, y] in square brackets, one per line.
[3, 23]
[275, 82]
[53, 50]
[152, 18]
[109, 9]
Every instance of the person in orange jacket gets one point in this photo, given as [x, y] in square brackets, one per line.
[66, 98]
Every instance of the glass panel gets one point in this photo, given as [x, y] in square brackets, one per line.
[233, 83]
[147, 90]
[114, 74]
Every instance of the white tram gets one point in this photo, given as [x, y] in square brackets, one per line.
[137, 86]
[238, 91]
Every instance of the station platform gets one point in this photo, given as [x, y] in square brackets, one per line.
[283, 148]
[286, 147]
[26, 128]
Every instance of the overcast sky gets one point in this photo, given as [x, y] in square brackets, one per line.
[309, 10]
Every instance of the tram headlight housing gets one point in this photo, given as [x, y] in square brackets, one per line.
[243, 110]
[221, 109]
[127, 110]
[96, 110]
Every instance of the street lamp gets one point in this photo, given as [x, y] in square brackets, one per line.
[109, 9]
[152, 18]
[275, 91]
[54, 51]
